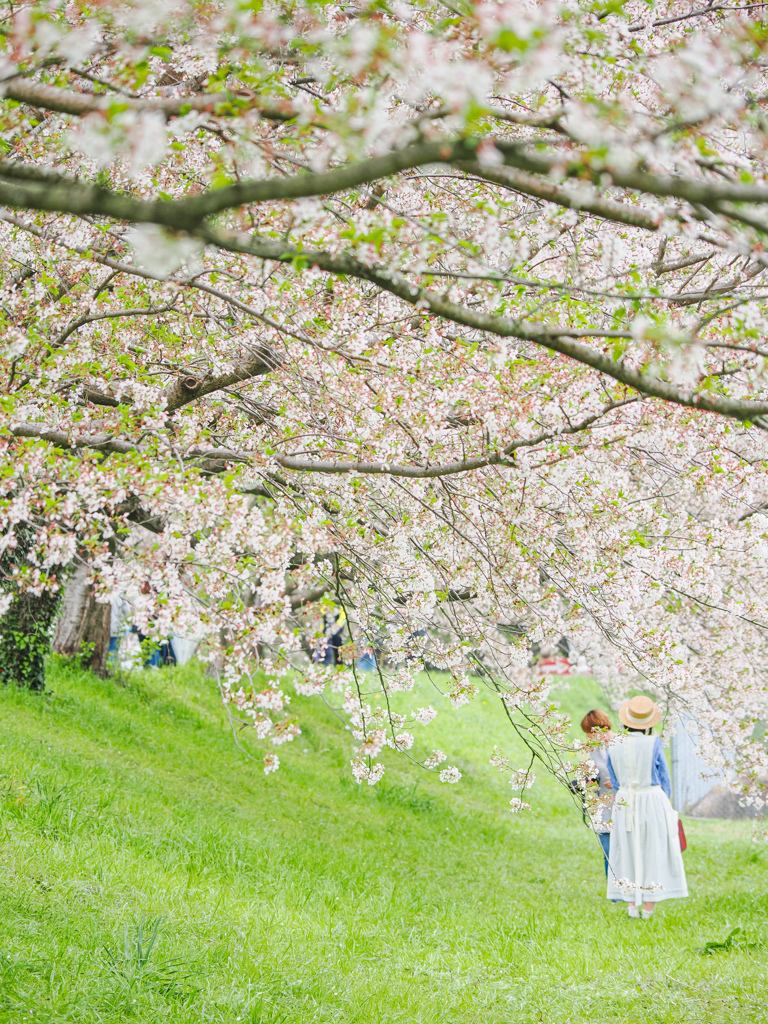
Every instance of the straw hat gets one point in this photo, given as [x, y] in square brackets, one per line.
[639, 713]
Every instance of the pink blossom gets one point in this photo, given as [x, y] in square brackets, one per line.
[365, 773]
[424, 715]
[435, 758]
[444, 417]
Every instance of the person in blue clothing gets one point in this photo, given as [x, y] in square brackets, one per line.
[328, 652]
[644, 858]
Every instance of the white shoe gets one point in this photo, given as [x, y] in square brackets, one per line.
[645, 914]
[633, 911]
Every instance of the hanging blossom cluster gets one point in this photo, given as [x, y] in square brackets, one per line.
[423, 335]
[516, 805]
[629, 888]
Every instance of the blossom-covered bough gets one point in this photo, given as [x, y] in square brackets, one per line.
[442, 318]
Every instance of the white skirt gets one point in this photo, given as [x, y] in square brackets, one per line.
[645, 848]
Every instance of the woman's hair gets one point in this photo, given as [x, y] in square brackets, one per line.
[595, 720]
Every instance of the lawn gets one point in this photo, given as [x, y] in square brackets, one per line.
[150, 872]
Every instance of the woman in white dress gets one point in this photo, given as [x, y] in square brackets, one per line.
[645, 862]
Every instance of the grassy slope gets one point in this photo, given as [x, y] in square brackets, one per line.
[300, 897]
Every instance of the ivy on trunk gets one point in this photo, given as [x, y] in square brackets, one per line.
[25, 638]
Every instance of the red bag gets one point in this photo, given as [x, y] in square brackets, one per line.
[681, 832]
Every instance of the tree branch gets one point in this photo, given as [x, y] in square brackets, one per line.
[81, 321]
[447, 469]
[304, 597]
[108, 443]
[27, 187]
[697, 13]
[101, 442]
[553, 337]
[105, 442]
[189, 387]
[69, 101]
[596, 206]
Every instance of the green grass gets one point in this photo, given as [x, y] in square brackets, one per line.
[150, 872]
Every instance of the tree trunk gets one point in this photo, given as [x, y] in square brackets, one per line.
[95, 651]
[83, 628]
[70, 623]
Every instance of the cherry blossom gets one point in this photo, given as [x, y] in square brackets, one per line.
[516, 805]
[422, 335]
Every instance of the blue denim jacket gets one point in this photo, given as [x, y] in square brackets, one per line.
[659, 770]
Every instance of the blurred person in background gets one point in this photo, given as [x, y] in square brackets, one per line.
[596, 725]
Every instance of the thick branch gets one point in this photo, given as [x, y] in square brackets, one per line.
[105, 443]
[553, 337]
[699, 12]
[99, 398]
[69, 101]
[305, 597]
[540, 188]
[30, 188]
[101, 442]
[89, 319]
[141, 517]
[108, 443]
[190, 387]
[309, 465]
[450, 468]
[21, 187]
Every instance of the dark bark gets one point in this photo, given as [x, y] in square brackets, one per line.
[68, 101]
[95, 645]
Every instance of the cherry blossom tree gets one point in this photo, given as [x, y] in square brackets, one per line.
[443, 317]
